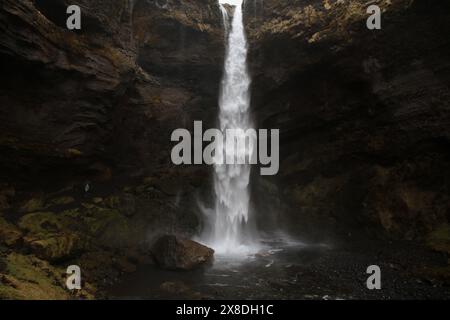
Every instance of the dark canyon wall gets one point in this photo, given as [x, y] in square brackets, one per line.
[108, 92]
[85, 124]
[363, 114]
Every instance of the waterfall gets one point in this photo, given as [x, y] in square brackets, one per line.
[226, 19]
[230, 226]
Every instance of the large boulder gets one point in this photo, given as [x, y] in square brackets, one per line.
[54, 248]
[175, 253]
[48, 237]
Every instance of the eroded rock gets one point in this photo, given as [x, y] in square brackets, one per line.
[176, 253]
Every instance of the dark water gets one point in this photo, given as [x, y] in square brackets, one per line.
[289, 271]
[240, 277]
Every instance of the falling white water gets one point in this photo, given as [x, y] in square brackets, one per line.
[230, 226]
[226, 19]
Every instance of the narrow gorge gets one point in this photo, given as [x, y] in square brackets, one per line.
[86, 176]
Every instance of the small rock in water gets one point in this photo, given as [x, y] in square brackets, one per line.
[269, 264]
[175, 253]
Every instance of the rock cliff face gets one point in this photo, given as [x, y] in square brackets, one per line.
[106, 92]
[86, 118]
[363, 114]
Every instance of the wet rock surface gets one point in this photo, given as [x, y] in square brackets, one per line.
[175, 253]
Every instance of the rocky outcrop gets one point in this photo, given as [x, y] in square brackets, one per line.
[175, 253]
[104, 99]
[59, 87]
[363, 115]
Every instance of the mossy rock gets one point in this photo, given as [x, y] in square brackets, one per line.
[103, 226]
[27, 277]
[70, 215]
[60, 201]
[107, 226]
[9, 234]
[61, 246]
[55, 236]
[33, 205]
[48, 236]
[41, 223]
[125, 203]
[39, 203]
